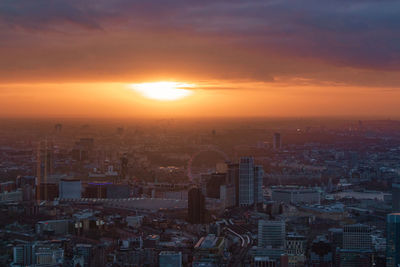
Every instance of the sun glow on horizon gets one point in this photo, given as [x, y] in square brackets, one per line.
[163, 91]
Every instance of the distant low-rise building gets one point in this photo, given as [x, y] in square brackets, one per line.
[170, 259]
[38, 254]
[208, 249]
[321, 252]
[134, 221]
[271, 234]
[54, 227]
[295, 248]
[260, 261]
[70, 188]
[13, 196]
[295, 195]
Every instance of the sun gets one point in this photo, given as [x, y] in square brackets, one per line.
[164, 91]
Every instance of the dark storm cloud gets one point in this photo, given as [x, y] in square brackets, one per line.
[351, 33]
[45, 14]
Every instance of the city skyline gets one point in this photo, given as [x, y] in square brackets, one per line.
[220, 133]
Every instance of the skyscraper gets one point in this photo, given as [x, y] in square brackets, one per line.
[393, 240]
[246, 181]
[258, 181]
[233, 178]
[396, 197]
[271, 234]
[124, 167]
[214, 184]
[277, 141]
[196, 206]
[250, 182]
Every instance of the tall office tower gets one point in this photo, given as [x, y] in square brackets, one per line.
[396, 197]
[271, 234]
[170, 259]
[246, 181]
[393, 240]
[250, 182]
[124, 167]
[196, 206]
[233, 178]
[258, 181]
[357, 236]
[277, 141]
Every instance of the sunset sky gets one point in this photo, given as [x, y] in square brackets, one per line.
[74, 58]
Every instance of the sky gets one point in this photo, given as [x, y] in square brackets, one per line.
[272, 58]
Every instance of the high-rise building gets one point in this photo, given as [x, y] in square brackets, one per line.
[233, 178]
[196, 206]
[170, 259]
[357, 236]
[250, 182]
[396, 198]
[124, 167]
[227, 195]
[277, 141]
[258, 181]
[271, 234]
[393, 240]
[246, 181]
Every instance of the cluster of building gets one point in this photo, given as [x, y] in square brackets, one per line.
[126, 199]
